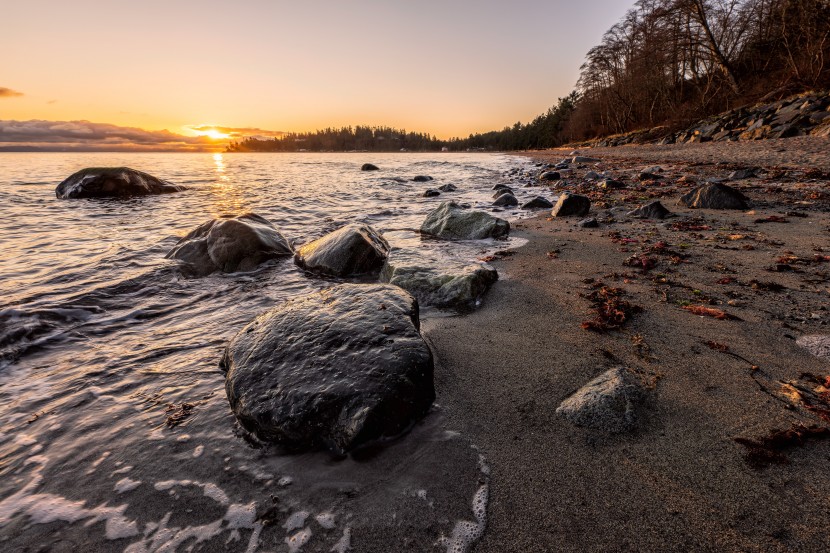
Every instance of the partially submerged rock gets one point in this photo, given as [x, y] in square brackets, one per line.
[609, 402]
[422, 178]
[447, 188]
[537, 203]
[229, 244]
[571, 204]
[369, 167]
[438, 282]
[653, 210]
[816, 344]
[351, 250]
[430, 193]
[506, 200]
[451, 221]
[336, 368]
[502, 191]
[715, 196]
[113, 182]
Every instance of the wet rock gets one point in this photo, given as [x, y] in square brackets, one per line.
[447, 188]
[369, 167]
[430, 193]
[438, 282]
[816, 344]
[422, 178]
[609, 403]
[501, 192]
[584, 159]
[550, 176]
[112, 182]
[571, 204]
[590, 222]
[653, 210]
[611, 184]
[229, 244]
[715, 196]
[336, 368]
[501, 187]
[351, 250]
[537, 203]
[506, 200]
[451, 221]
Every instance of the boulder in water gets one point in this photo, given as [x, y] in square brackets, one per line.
[571, 204]
[229, 244]
[715, 196]
[609, 402]
[368, 167]
[447, 188]
[653, 210]
[451, 221]
[506, 200]
[430, 193]
[336, 368]
[438, 282]
[537, 203]
[351, 250]
[112, 182]
[422, 178]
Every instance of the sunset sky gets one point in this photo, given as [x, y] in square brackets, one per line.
[255, 67]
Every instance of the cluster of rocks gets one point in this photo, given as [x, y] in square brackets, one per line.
[800, 115]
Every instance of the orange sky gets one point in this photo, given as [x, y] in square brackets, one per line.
[447, 68]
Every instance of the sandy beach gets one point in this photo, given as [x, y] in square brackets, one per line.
[681, 481]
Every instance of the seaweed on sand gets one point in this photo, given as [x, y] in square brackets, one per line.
[610, 309]
[770, 449]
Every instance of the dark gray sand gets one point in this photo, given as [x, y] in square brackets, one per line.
[680, 482]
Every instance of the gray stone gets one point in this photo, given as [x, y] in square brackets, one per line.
[351, 250]
[112, 182]
[590, 222]
[714, 196]
[506, 200]
[229, 244]
[439, 282]
[451, 221]
[653, 210]
[609, 403]
[816, 344]
[537, 203]
[336, 368]
[584, 159]
[571, 204]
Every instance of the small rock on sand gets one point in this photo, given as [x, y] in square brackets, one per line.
[609, 402]
[654, 210]
[571, 204]
[816, 344]
[715, 196]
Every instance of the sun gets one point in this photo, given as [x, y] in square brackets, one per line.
[214, 134]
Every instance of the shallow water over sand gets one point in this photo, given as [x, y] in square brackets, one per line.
[103, 341]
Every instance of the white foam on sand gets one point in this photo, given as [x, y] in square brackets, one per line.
[344, 543]
[198, 451]
[126, 485]
[298, 540]
[296, 520]
[326, 520]
[466, 533]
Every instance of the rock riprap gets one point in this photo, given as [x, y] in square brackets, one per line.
[443, 282]
[229, 244]
[715, 196]
[113, 182]
[610, 402]
[336, 368]
[451, 221]
[571, 204]
[351, 250]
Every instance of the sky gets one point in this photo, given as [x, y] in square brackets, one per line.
[181, 74]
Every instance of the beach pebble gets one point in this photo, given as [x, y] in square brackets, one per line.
[334, 368]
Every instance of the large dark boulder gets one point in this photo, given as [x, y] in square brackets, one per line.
[571, 204]
[715, 196]
[451, 221]
[113, 182]
[351, 250]
[336, 368]
[229, 244]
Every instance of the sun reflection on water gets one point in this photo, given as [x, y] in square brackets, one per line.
[227, 198]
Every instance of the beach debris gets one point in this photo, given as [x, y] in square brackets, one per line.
[441, 283]
[653, 210]
[610, 309]
[817, 344]
[766, 286]
[230, 244]
[609, 402]
[369, 167]
[714, 196]
[704, 311]
[430, 193]
[695, 224]
[506, 200]
[641, 261]
[350, 250]
[177, 414]
[112, 182]
[421, 178]
[450, 221]
[810, 392]
[770, 449]
[571, 204]
[537, 203]
[331, 369]
[772, 219]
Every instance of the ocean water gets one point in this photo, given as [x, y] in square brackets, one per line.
[102, 339]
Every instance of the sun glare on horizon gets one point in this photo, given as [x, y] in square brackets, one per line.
[213, 134]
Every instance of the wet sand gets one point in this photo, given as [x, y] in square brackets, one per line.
[680, 482]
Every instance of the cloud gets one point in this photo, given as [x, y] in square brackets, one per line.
[88, 136]
[9, 93]
[237, 132]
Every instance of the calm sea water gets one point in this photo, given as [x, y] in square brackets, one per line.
[101, 339]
